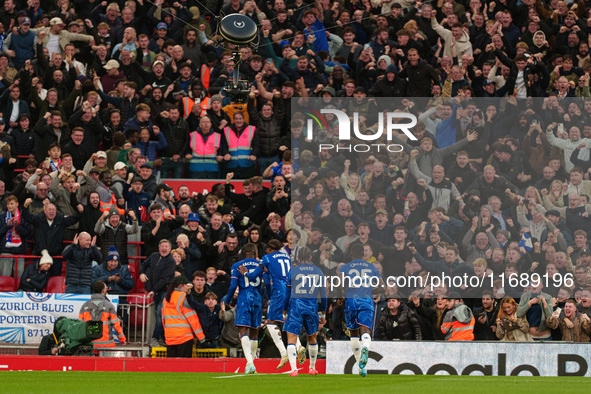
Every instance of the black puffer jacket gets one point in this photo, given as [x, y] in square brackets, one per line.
[177, 137]
[269, 129]
[49, 236]
[79, 264]
[33, 279]
[24, 141]
[385, 88]
[407, 325]
[159, 270]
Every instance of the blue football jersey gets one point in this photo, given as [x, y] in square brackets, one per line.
[360, 278]
[250, 289]
[307, 284]
[278, 264]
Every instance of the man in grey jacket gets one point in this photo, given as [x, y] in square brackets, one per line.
[536, 306]
[485, 240]
[444, 192]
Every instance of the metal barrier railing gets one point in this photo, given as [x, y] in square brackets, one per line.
[139, 313]
[136, 312]
[19, 259]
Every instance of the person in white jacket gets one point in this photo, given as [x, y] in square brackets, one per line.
[568, 144]
[457, 35]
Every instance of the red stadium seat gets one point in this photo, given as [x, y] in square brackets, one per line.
[134, 270]
[139, 287]
[7, 283]
[138, 299]
[137, 312]
[56, 284]
[28, 262]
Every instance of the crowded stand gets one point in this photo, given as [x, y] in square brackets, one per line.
[104, 104]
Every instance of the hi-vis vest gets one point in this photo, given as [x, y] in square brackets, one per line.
[106, 206]
[461, 326]
[205, 105]
[92, 311]
[240, 147]
[205, 76]
[181, 323]
[204, 152]
[188, 104]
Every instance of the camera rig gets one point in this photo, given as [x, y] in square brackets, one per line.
[241, 31]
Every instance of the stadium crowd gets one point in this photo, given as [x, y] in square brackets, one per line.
[99, 101]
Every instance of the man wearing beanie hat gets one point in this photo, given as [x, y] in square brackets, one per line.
[219, 118]
[113, 232]
[114, 274]
[36, 276]
[390, 85]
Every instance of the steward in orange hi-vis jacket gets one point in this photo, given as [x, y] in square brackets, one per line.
[458, 324]
[181, 323]
[100, 308]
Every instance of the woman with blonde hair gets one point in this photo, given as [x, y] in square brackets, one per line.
[413, 30]
[556, 194]
[511, 328]
[532, 194]
[350, 182]
[179, 256]
[531, 198]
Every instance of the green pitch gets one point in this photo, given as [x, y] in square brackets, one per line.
[145, 382]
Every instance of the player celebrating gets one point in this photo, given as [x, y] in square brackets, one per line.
[358, 276]
[304, 286]
[277, 264]
[249, 304]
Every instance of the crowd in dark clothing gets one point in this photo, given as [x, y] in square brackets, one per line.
[100, 101]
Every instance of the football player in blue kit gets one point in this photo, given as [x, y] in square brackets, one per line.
[249, 304]
[277, 265]
[359, 279]
[305, 285]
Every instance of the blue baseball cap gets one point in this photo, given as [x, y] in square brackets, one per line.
[162, 25]
[193, 217]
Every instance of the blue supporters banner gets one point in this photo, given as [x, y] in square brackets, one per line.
[26, 317]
